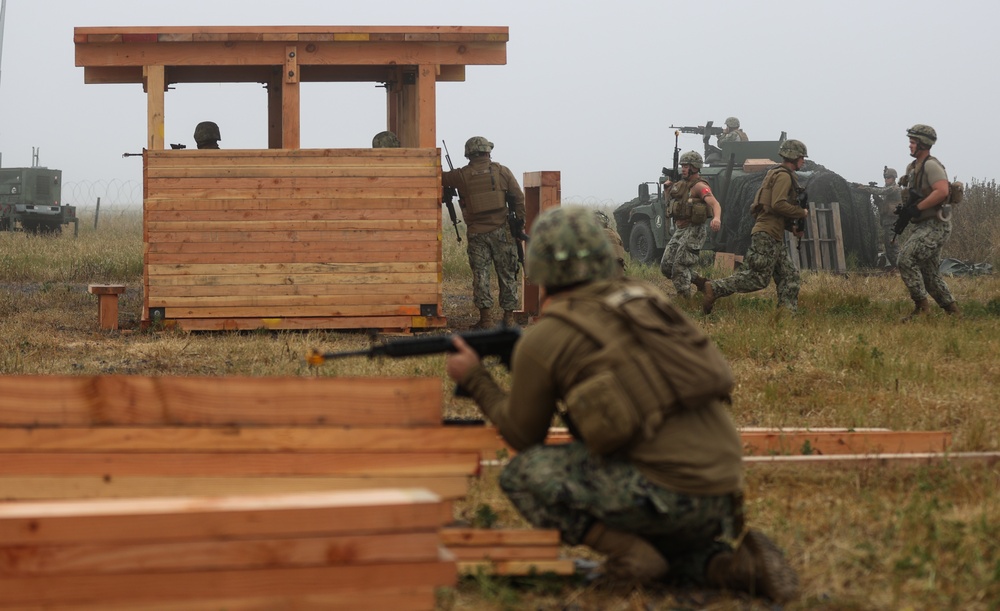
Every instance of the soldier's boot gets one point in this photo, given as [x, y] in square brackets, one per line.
[708, 301]
[757, 567]
[952, 308]
[919, 307]
[630, 558]
[699, 283]
[485, 319]
[508, 318]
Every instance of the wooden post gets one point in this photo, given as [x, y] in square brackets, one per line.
[107, 304]
[290, 100]
[97, 213]
[155, 86]
[542, 190]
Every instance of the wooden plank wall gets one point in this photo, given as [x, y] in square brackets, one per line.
[65, 437]
[371, 550]
[282, 239]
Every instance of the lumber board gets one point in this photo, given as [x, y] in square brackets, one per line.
[381, 599]
[236, 290]
[40, 487]
[162, 519]
[195, 585]
[297, 256]
[167, 206]
[505, 552]
[516, 567]
[312, 439]
[453, 537]
[378, 179]
[144, 400]
[304, 303]
[225, 311]
[212, 554]
[348, 235]
[292, 269]
[428, 277]
[388, 323]
[281, 225]
[879, 460]
[330, 191]
[300, 213]
[196, 171]
[244, 464]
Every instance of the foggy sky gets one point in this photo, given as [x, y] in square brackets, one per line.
[589, 89]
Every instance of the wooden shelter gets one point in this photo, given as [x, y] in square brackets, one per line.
[286, 237]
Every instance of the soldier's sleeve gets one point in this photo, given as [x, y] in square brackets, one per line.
[451, 178]
[781, 203]
[935, 171]
[511, 186]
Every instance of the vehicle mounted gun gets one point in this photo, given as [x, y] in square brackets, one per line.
[448, 196]
[701, 130]
[497, 342]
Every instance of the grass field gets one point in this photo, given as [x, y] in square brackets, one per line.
[872, 537]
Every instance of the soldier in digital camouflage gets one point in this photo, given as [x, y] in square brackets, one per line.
[732, 132]
[775, 209]
[920, 256]
[887, 198]
[662, 500]
[484, 189]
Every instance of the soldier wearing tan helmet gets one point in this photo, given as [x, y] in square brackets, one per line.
[775, 209]
[693, 209]
[485, 190]
[206, 135]
[661, 501]
[920, 256]
[886, 200]
[732, 132]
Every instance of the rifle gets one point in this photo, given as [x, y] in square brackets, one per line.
[497, 342]
[178, 147]
[675, 174]
[516, 226]
[448, 195]
[906, 213]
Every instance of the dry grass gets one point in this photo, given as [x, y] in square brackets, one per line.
[861, 537]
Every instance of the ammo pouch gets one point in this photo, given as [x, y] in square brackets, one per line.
[651, 361]
[699, 212]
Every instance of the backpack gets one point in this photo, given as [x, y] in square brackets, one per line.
[651, 361]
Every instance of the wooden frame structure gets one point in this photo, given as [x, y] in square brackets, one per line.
[287, 237]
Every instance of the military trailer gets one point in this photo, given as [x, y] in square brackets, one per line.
[31, 200]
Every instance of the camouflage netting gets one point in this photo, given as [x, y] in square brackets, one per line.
[858, 220]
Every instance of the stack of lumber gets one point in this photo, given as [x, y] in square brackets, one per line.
[506, 551]
[137, 436]
[328, 550]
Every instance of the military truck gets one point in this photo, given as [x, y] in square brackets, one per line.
[734, 171]
[31, 200]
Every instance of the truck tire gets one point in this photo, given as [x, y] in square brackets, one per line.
[641, 245]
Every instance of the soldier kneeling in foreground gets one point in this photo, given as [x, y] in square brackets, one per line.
[653, 478]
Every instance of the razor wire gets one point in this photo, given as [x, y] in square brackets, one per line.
[114, 192]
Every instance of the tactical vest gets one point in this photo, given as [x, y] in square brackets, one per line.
[684, 207]
[651, 361]
[484, 192]
[917, 179]
[762, 203]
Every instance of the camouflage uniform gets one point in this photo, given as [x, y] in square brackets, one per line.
[920, 256]
[684, 247]
[679, 490]
[774, 209]
[482, 186]
[615, 239]
[734, 133]
[567, 489]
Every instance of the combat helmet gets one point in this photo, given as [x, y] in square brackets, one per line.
[477, 145]
[924, 134]
[385, 140]
[733, 123]
[691, 158]
[793, 149]
[888, 173]
[206, 131]
[567, 247]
